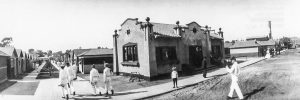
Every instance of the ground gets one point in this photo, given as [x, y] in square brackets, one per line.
[273, 79]
[122, 83]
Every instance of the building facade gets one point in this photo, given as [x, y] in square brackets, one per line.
[95, 57]
[151, 49]
[12, 61]
[3, 66]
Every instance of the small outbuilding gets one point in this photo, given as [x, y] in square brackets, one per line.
[95, 57]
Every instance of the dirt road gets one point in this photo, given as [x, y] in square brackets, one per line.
[277, 78]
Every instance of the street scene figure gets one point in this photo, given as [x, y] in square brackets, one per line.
[95, 80]
[107, 73]
[63, 81]
[174, 76]
[268, 54]
[72, 77]
[234, 71]
[204, 64]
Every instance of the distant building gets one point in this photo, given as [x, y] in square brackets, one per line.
[19, 61]
[251, 48]
[3, 66]
[12, 61]
[95, 57]
[258, 38]
[150, 48]
[74, 54]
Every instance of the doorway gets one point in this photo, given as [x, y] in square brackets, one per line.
[195, 56]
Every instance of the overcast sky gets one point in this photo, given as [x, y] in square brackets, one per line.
[68, 24]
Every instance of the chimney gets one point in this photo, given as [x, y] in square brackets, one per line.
[270, 34]
[178, 28]
[221, 32]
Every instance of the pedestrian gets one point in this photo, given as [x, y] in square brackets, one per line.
[234, 72]
[174, 76]
[63, 81]
[95, 80]
[72, 76]
[107, 73]
[204, 65]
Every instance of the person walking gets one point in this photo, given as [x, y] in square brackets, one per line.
[204, 65]
[234, 72]
[95, 80]
[72, 76]
[107, 73]
[174, 76]
[63, 81]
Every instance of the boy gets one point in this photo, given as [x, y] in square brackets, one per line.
[174, 76]
[204, 65]
[94, 79]
[107, 73]
[234, 71]
[72, 76]
[63, 81]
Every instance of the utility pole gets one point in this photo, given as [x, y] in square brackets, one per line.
[116, 51]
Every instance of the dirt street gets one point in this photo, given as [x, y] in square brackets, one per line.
[277, 78]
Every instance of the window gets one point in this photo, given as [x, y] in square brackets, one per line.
[128, 31]
[194, 30]
[166, 54]
[130, 53]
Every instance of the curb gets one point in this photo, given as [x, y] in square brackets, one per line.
[189, 85]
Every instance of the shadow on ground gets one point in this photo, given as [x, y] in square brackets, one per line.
[6, 84]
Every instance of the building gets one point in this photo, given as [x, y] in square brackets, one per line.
[150, 48]
[12, 61]
[74, 54]
[19, 61]
[3, 66]
[95, 57]
[250, 48]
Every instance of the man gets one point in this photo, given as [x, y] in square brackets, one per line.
[204, 65]
[107, 73]
[72, 76]
[234, 71]
[95, 80]
[63, 81]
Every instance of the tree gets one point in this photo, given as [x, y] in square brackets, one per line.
[49, 53]
[40, 53]
[31, 50]
[6, 41]
[287, 42]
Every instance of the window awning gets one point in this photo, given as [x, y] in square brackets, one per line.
[130, 44]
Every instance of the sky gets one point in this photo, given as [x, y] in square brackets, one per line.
[69, 24]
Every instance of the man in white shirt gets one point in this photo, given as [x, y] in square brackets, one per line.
[95, 80]
[107, 73]
[234, 72]
[63, 81]
[72, 76]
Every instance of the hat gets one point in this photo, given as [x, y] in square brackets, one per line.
[174, 68]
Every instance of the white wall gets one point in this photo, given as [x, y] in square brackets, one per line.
[244, 50]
